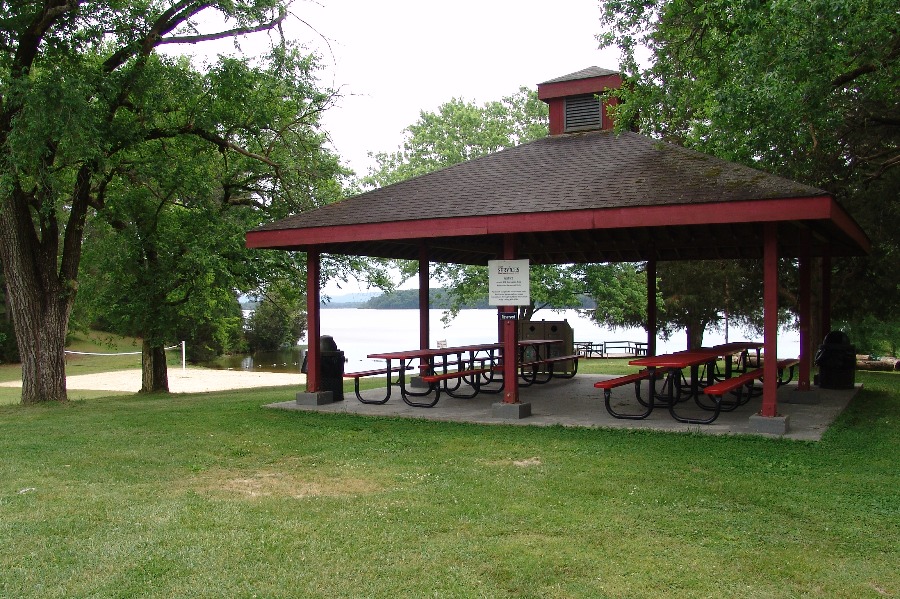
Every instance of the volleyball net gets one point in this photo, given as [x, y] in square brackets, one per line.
[130, 353]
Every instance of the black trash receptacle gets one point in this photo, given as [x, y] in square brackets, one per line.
[332, 367]
[836, 360]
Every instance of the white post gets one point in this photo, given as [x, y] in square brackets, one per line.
[182, 355]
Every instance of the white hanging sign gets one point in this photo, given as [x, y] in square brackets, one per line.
[508, 283]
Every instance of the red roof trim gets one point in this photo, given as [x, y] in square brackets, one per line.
[751, 211]
[842, 219]
[577, 87]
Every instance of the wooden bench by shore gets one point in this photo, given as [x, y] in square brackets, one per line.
[611, 349]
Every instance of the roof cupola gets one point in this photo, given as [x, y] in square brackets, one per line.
[574, 100]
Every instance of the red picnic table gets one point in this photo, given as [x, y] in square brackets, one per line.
[675, 389]
[448, 368]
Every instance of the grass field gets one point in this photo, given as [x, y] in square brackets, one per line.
[214, 496]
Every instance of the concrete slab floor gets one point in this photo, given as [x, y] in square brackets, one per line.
[575, 402]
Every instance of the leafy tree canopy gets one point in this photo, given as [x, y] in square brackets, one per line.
[172, 229]
[802, 89]
[278, 321]
[460, 131]
[807, 90]
[94, 119]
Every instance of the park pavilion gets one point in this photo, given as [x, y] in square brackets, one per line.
[584, 194]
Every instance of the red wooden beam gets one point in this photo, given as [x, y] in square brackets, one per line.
[826, 296]
[578, 87]
[424, 282]
[770, 308]
[751, 211]
[805, 286]
[313, 322]
[842, 219]
[651, 308]
[510, 343]
[557, 114]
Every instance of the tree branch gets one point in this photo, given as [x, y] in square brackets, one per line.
[31, 38]
[176, 15]
[861, 70]
[196, 39]
[227, 145]
[218, 140]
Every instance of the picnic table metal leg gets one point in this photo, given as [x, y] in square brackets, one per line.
[406, 394]
[538, 358]
[790, 377]
[688, 420]
[490, 377]
[722, 404]
[672, 382]
[474, 381]
[675, 398]
[565, 375]
[607, 400]
[387, 393]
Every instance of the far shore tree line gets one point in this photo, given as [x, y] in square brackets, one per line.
[129, 173]
[441, 299]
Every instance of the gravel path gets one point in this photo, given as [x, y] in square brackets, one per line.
[191, 380]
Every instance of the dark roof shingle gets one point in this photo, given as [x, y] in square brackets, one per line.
[592, 170]
[582, 74]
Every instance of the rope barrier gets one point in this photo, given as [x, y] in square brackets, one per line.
[130, 353]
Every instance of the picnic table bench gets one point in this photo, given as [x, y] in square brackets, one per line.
[787, 364]
[741, 386]
[472, 376]
[374, 372]
[531, 369]
[709, 391]
[609, 384]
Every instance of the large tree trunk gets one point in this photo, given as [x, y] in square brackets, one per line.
[41, 266]
[694, 333]
[40, 308]
[40, 325]
[154, 371]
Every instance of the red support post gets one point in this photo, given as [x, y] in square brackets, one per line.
[313, 322]
[651, 308]
[510, 332]
[826, 295]
[805, 288]
[770, 307]
[424, 302]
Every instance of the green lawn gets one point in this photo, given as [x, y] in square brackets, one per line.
[214, 496]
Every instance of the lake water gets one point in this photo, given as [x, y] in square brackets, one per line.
[359, 332]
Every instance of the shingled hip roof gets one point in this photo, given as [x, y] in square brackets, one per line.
[586, 173]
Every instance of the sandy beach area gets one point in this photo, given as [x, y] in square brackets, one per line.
[191, 380]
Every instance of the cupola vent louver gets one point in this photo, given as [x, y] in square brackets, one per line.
[583, 113]
[574, 103]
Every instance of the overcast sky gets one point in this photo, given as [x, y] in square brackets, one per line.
[392, 59]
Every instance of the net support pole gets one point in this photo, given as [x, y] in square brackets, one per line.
[183, 353]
